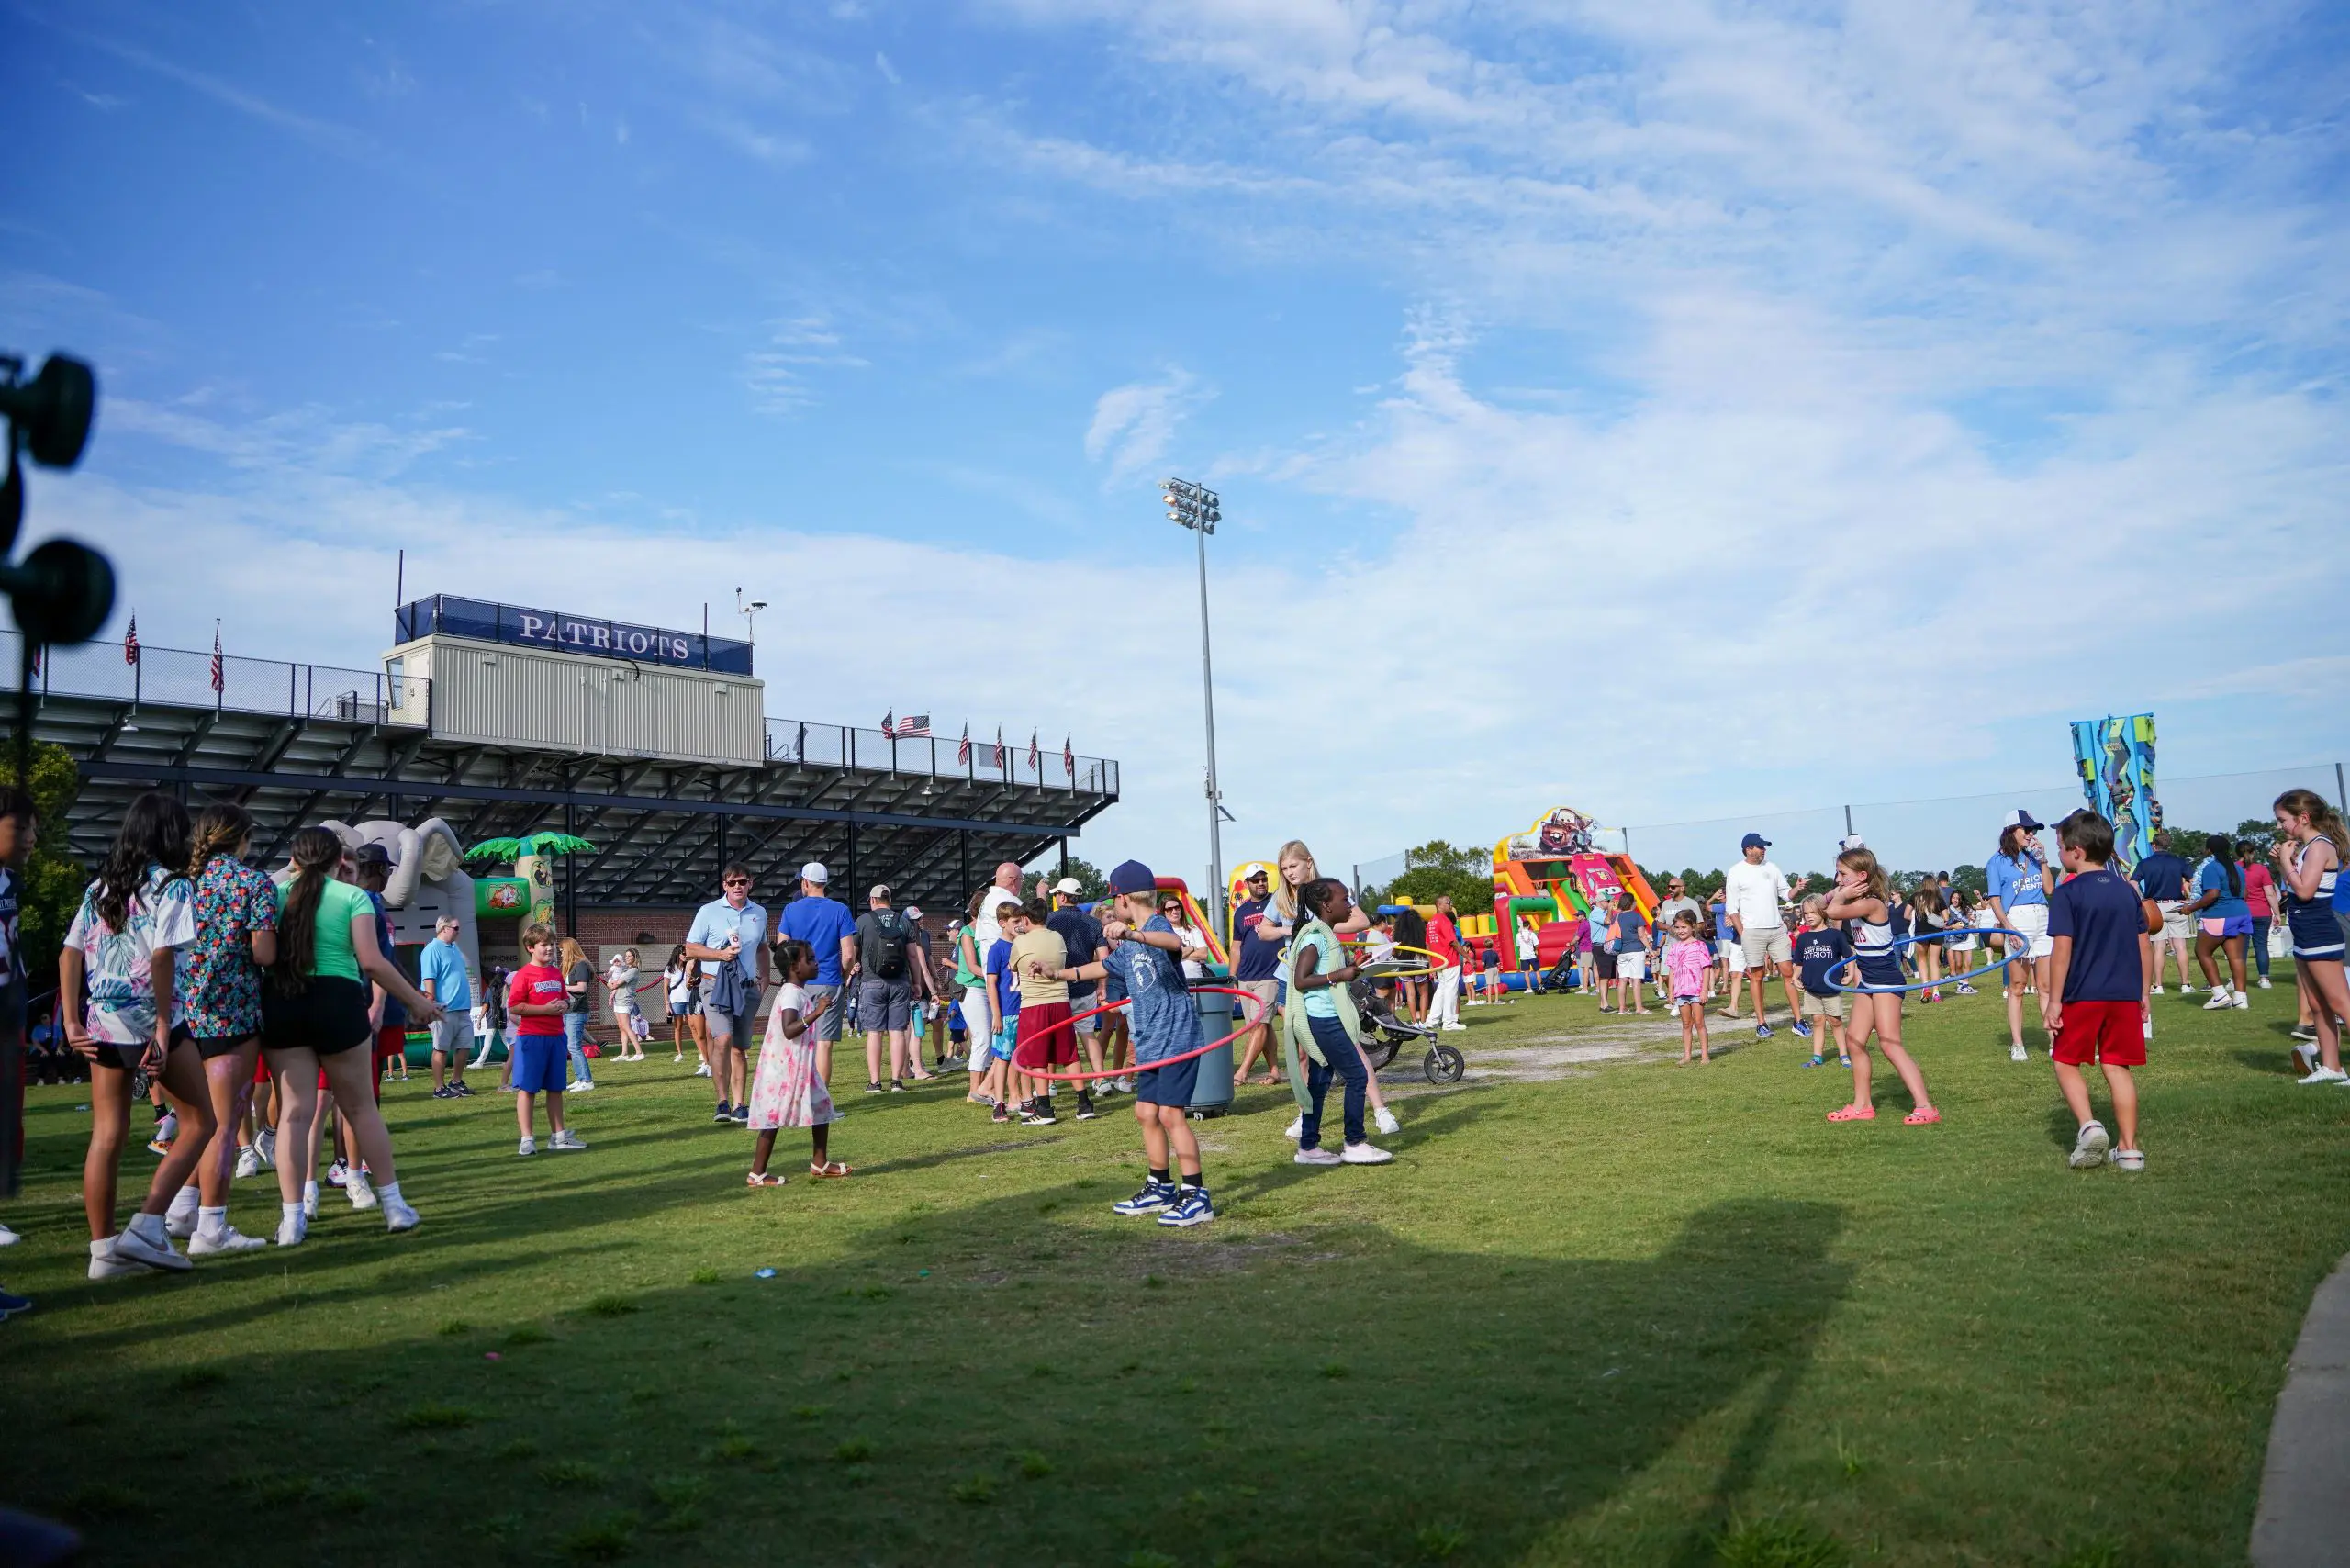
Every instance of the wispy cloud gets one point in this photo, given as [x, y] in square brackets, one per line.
[326, 135]
[776, 373]
[1134, 426]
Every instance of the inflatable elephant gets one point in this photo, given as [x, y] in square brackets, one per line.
[427, 879]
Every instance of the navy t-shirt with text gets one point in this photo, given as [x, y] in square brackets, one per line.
[2100, 912]
[1080, 934]
[1820, 954]
[1259, 959]
[2164, 876]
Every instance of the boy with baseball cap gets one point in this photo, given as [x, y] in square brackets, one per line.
[1146, 953]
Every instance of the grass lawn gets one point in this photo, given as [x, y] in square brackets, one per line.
[1626, 1313]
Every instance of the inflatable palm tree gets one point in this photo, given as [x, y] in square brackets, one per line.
[533, 855]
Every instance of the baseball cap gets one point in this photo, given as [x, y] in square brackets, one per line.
[1851, 841]
[2023, 819]
[880, 890]
[814, 872]
[1132, 876]
[1257, 873]
[371, 854]
[912, 913]
[1069, 885]
[1754, 841]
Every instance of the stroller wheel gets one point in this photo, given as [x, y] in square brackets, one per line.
[1444, 1065]
[1380, 1053]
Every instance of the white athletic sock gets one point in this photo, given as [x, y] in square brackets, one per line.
[389, 1191]
[185, 1202]
[211, 1222]
[150, 1228]
[289, 1211]
[102, 1247]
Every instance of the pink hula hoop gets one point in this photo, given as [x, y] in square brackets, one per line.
[1129, 1071]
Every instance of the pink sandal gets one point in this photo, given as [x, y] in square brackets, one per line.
[834, 1169]
[1853, 1113]
[1923, 1116]
[762, 1179]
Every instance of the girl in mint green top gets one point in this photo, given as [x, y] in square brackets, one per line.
[340, 903]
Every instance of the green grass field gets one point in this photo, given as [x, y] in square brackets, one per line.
[1605, 1311]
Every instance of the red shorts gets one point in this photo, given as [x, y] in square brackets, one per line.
[2111, 1034]
[1036, 1046]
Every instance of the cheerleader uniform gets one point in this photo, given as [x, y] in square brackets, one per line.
[1880, 962]
[2316, 933]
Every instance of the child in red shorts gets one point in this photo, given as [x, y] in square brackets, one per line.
[2096, 982]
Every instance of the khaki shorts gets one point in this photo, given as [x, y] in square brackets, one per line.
[1821, 1006]
[1767, 944]
[1266, 992]
[2177, 924]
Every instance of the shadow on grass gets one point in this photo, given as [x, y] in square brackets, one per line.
[1002, 1384]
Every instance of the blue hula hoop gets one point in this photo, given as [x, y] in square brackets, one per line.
[1946, 979]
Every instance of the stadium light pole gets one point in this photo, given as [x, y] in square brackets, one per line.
[1195, 507]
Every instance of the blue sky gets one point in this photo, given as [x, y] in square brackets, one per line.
[1668, 408]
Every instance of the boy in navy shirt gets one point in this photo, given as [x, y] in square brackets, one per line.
[2097, 979]
[1821, 951]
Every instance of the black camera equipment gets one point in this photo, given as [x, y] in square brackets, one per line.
[61, 594]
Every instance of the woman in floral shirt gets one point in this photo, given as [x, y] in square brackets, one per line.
[133, 921]
[219, 992]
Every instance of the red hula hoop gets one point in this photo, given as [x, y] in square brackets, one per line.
[1134, 1068]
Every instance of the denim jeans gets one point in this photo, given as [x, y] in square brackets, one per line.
[1347, 1062]
[574, 1038]
[2260, 945]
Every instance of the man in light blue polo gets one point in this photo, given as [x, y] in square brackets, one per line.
[440, 975]
[826, 926]
[730, 929]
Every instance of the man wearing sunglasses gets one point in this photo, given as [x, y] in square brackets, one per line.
[730, 929]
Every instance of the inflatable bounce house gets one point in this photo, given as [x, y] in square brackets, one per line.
[429, 880]
[1549, 876]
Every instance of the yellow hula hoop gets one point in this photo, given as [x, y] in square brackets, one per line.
[1435, 963]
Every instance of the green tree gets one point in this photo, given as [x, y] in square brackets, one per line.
[1438, 867]
[1092, 885]
[53, 880]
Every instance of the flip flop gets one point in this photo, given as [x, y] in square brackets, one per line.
[832, 1171]
[1923, 1116]
[1847, 1114]
[762, 1179]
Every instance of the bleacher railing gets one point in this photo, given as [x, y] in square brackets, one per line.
[182, 678]
[938, 757]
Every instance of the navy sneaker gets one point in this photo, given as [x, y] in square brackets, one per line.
[12, 1304]
[1192, 1207]
[725, 1112]
[1085, 1111]
[1803, 1030]
[1762, 1031]
[444, 1093]
[1153, 1197]
[459, 1091]
[1964, 989]
[741, 1116]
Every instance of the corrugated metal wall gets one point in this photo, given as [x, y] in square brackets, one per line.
[485, 691]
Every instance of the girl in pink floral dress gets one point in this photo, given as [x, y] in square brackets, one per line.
[787, 1092]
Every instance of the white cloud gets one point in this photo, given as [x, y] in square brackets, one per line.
[776, 373]
[1134, 426]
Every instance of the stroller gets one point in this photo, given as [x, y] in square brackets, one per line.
[1389, 1033]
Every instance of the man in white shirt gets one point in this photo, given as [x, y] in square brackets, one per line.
[1753, 893]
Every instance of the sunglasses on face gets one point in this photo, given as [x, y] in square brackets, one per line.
[738, 881]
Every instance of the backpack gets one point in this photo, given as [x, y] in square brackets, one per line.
[885, 953]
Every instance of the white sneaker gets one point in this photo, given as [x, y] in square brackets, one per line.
[230, 1239]
[248, 1163]
[2325, 1074]
[1384, 1120]
[1364, 1153]
[2304, 1060]
[1126, 1086]
[2219, 999]
[2089, 1149]
[104, 1265]
[1455, 1028]
[2017, 1053]
[1296, 1130]
[179, 1228]
[702, 1071]
[579, 1088]
[2158, 990]
[399, 1216]
[359, 1190]
[2263, 982]
[266, 1145]
[567, 1139]
[293, 1230]
[2239, 999]
[1314, 1156]
[134, 1248]
[2184, 989]
[309, 1206]
[527, 1147]
[9, 1238]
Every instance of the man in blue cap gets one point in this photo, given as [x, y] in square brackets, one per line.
[1753, 892]
[1149, 956]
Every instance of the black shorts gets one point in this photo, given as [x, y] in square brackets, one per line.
[327, 1016]
[1605, 963]
[211, 1046]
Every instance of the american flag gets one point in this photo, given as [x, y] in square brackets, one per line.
[1035, 756]
[130, 642]
[219, 672]
[913, 727]
[890, 726]
[995, 759]
[963, 751]
[1068, 758]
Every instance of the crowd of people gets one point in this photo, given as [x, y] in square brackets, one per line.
[256, 1013]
